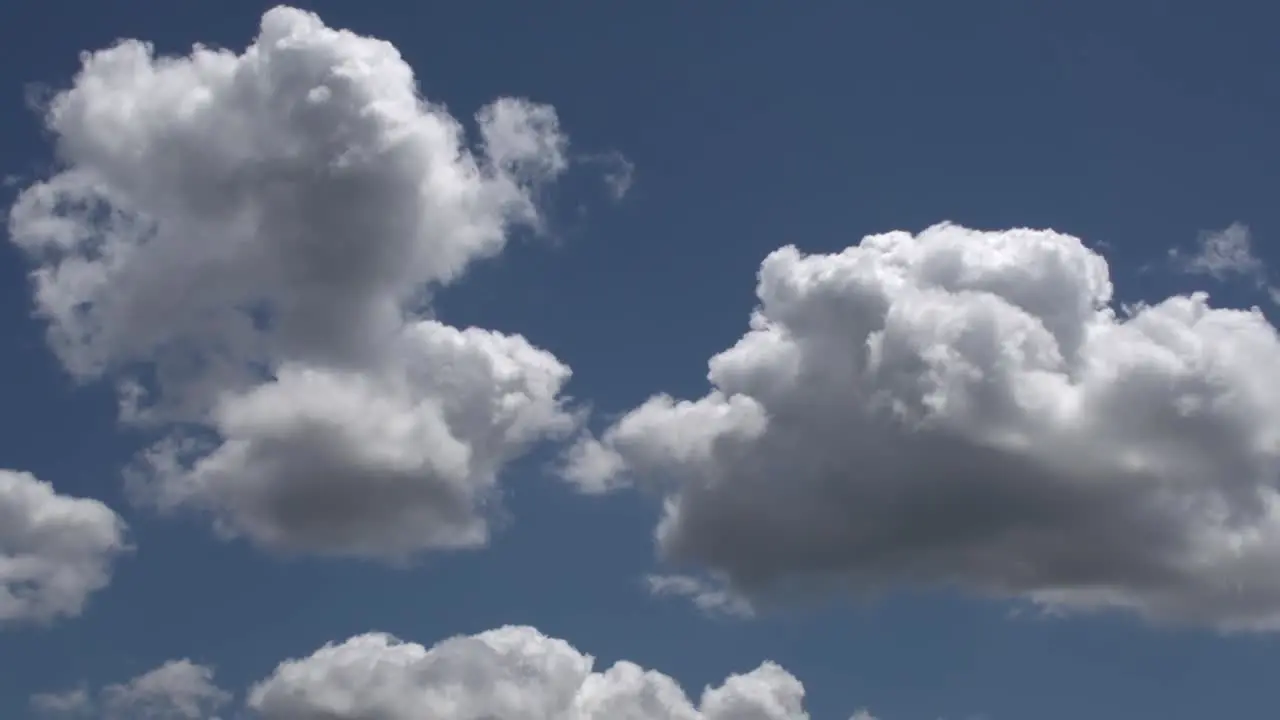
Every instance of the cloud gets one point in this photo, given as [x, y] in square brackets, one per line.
[247, 243]
[1227, 254]
[620, 175]
[177, 690]
[505, 673]
[69, 704]
[1223, 254]
[55, 550]
[962, 408]
[708, 596]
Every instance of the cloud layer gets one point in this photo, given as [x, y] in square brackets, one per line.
[966, 409]
[247, 243]
[511, 672]
[55, 550]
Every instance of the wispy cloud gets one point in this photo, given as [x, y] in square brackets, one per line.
[1225, 255]
[710, 597]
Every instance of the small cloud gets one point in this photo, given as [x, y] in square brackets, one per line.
[712, 598]
[616, 171]
[1223, 254]
[68, 704]
[619, 178]
[178, 689]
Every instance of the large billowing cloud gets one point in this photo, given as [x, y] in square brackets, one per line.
[966, 409]
[247, 243]
[55, 550]
[511, 672]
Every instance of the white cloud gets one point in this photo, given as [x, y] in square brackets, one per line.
[511, 672]
[55, 550]
[710, 597]
[247, 242]
[963, 408]
[69, 704]
[177, 690]
[1222, 254]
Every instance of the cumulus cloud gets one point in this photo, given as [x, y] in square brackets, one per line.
[177, 690]
[511, 672]
[247, 243]
[55, 550]
[966, 409]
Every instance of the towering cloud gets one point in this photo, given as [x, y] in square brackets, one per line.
[963, 408]
[55, 550]
[247, 243]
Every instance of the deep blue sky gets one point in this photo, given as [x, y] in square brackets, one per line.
[751, 124]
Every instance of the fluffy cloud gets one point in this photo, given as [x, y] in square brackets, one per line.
[177, 690]
[55, 550]
[247, 243]
[511, 672]
[966, 409]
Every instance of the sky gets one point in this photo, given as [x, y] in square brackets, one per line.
[714, 361]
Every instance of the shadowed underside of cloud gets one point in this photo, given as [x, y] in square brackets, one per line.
[55, 550]
[964, 408]
[246, 243]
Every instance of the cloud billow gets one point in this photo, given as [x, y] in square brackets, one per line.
[967, 409]
[246, 245]
[55, 550]
[509, 672]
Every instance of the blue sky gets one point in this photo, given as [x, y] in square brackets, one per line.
[1140, 128]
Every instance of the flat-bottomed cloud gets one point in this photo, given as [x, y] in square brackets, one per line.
[963, 408]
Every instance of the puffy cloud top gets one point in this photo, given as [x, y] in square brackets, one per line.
[966, 408]
[511, 672]
[55, 550]
[246, 243]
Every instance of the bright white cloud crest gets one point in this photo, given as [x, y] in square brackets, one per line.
[511, 672]
[55, 550]
[965, 408]
[247, 241]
